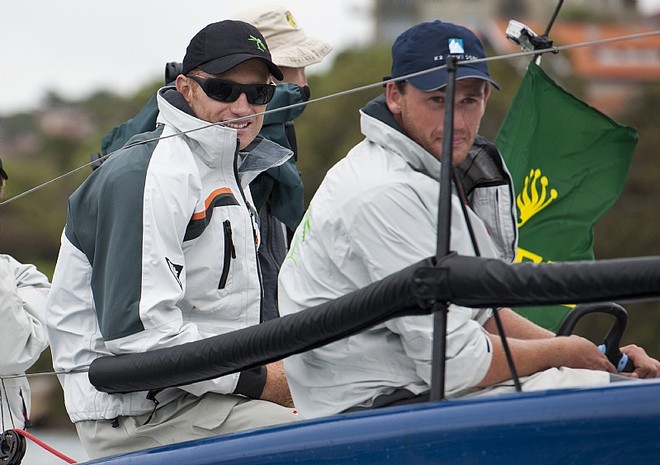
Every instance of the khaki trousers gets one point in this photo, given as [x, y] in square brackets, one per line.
[186, 418]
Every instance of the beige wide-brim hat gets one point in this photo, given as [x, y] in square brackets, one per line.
[289, 45]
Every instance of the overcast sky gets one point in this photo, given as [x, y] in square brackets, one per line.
[75, 47]
[78, 46]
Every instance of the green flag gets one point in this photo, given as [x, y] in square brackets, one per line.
[569, 163]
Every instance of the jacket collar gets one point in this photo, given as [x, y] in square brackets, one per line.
[259, 156]
[217, 145]
[379, 126]
[482, 166]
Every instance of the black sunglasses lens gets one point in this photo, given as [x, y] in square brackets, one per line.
[227, 91]
[221, 90]
[259, 94]
[270, 92]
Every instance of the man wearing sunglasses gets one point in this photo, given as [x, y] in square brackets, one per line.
[160, 249]
[277, 192]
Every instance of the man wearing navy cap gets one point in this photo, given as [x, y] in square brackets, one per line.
[160, 249]
[376, 212]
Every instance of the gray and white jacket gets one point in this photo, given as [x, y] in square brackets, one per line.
[159, 249]
[375, 213]
[23, 296]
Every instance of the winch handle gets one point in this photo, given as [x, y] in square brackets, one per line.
[612, 342]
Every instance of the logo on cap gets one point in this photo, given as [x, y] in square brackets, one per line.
[456, 46]
[259, 43]
[290, 20]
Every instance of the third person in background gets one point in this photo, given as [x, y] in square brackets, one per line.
[278, 192]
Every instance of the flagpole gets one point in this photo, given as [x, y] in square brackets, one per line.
[552, 19]
[544, 37]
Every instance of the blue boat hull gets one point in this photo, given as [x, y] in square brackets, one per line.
[619, 423]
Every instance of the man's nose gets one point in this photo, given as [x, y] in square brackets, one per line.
[459, 117]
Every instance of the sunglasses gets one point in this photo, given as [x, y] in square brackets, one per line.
[228, 91]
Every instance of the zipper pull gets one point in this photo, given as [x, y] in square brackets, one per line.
[228, 235]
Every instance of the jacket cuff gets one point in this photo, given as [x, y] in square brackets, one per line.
[251, 382]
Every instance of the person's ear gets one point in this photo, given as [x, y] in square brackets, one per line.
[393, 98]
[184, 86]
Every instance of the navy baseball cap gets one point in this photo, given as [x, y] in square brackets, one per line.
[224, 45]
[3, 173]
[427, 45]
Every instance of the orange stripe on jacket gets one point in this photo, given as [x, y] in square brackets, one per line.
[209, 200]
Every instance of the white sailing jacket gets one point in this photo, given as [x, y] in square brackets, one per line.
[374, 214]
[23, 296]
[159, 249]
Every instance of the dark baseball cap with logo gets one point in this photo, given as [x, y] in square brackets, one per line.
[224, 45]
[428, 45]
[3, 173]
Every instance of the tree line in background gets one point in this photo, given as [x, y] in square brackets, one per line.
[62, 136]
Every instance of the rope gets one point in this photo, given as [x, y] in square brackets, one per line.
[42, 444]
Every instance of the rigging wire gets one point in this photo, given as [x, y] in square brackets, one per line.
[553, 49]
[534, 53]
[46, 373]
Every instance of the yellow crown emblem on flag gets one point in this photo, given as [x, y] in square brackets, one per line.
[534, 196]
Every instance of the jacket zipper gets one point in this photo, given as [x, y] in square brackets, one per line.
[254, 222]
[230, 252]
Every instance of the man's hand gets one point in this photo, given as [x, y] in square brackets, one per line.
[578, 352]
[276, 389]
[645, 366]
